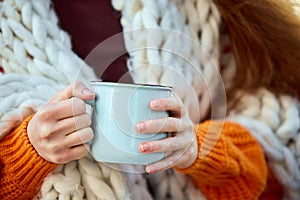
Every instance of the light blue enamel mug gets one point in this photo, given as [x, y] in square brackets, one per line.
[116, 110]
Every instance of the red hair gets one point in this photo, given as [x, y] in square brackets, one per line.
[265, 36]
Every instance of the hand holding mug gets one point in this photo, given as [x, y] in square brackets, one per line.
[116, 110]
[60, 130]
[181, 149]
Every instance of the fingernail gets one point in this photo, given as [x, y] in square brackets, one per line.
[86, 91]
[141, 126]
[148, 170]
[145, 147]
[155, 104]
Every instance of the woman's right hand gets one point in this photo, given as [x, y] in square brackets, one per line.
[60, 129]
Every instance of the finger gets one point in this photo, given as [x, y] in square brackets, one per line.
[167, 144]
[63, 109]
[72, 124]
[76, 89]
[79, 137]
[168, 124]
[73, 153]
[166, 163]
[174, 105]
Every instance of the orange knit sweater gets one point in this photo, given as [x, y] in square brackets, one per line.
[22, 169]
[230, 165]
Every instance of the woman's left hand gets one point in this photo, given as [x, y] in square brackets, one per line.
[181, 149]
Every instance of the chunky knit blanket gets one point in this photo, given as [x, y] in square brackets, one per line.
[170, 42]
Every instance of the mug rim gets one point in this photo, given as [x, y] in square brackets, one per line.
[130, 84]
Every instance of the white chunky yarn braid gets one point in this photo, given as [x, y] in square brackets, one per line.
[35, 12]
[92, 181]
[275, 122]
[21, 96]
[13, 35]
[37, 58]
[169, 30]
[32, 44]
[279, 122]
[188, 18]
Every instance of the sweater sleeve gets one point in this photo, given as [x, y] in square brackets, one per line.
[22, 169]
[230, 162]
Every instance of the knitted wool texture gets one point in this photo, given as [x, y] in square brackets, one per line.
[37, 57]
[15, 151]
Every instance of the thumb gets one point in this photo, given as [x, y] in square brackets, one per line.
[76, 89]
